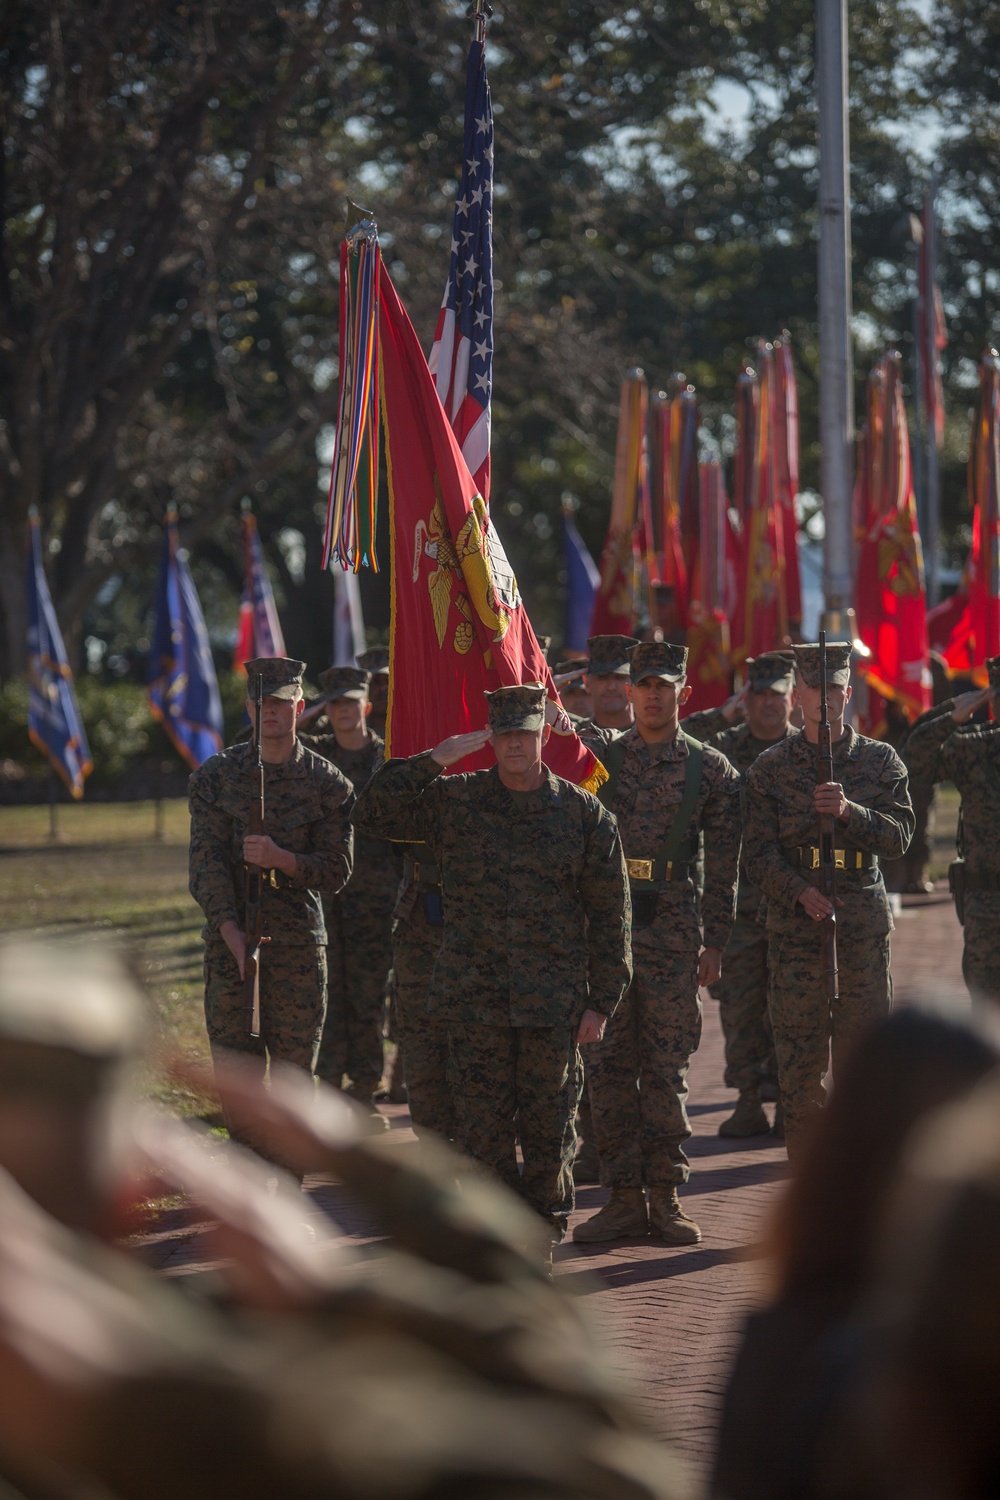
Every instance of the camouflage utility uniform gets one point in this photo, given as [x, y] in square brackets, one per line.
[742, 990]
[307, 805]
[780, 830]
[536, 924]
[359, 941]
[938, 749]
[638, 1074]
[423, 1037]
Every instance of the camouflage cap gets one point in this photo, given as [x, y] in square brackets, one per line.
[609, 654]
[282, 677]
[344, 682]
[375, 660]
[992, 665]
[511, 708]
[660, 659]
[772, 671]
[838, 664]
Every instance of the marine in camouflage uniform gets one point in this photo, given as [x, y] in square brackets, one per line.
[781, 835]
[307, 850]
[535, 946]
[638, 1074]
[945, 746]
[358, 918]
[742, 991]
[610, 714]
[375, 662]
[422, 1037]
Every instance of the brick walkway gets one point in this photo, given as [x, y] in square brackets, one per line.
[672, 1316]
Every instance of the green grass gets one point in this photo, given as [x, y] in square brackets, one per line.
[108, 874]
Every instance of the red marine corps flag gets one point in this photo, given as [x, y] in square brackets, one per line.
[966, 628]
[892, 608]
[458, 627]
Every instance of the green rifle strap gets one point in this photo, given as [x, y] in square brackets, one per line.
[612, 759]
[674, 846]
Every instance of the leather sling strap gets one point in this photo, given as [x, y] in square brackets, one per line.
[674, 846]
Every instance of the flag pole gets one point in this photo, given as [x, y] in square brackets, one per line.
[836, 362]
[480, 11]
[931, 356]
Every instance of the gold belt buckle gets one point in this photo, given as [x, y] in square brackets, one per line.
[274, 880]
[840, 859]
[639, 869]
[809, 857]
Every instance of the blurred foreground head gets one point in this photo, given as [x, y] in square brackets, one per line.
[900, 1071]
[932, 1406]
[72, 1027]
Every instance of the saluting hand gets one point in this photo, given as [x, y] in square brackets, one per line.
[830, 801]
[966, 704]
[734, 707]
[459, 746]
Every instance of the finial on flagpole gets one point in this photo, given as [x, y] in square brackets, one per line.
[361, 224]
[480, 11]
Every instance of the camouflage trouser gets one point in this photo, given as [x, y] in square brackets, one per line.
[981, 954]
[359, 958]
[422, 1038]
[638, 1074]
[292, 1002]
[532, 1072]
[805, 1021]
[911, 867]
[742, 997]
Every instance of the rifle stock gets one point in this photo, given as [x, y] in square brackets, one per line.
[254, 877]
[827, 856]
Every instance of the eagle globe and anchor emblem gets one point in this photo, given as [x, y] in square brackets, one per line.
[475, 558]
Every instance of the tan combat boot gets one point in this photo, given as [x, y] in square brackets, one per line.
[668, 1221]
[623, 1217]
[747, 1118]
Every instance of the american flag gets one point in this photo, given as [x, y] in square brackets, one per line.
[461, 360]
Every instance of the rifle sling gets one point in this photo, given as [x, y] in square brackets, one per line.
[674, 848]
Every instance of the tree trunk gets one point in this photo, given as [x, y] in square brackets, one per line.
[13, 594]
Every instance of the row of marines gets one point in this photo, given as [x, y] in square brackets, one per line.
[534, 919]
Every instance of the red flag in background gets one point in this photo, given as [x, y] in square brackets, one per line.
[459, 627]
[891, 604]
[763, 621]
[784, 411]
[966, 627]
[671, 569]
[929, 297]
[259, 630]
[614, 602]
[984, 493]
[714, 595]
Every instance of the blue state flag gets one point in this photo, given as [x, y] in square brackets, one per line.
[54, 722]
[183, 689]
[582, 582]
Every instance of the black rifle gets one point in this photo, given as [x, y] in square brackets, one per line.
[827, 856]
[254, 876]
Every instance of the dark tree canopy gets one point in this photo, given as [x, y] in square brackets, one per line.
[173, 193]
